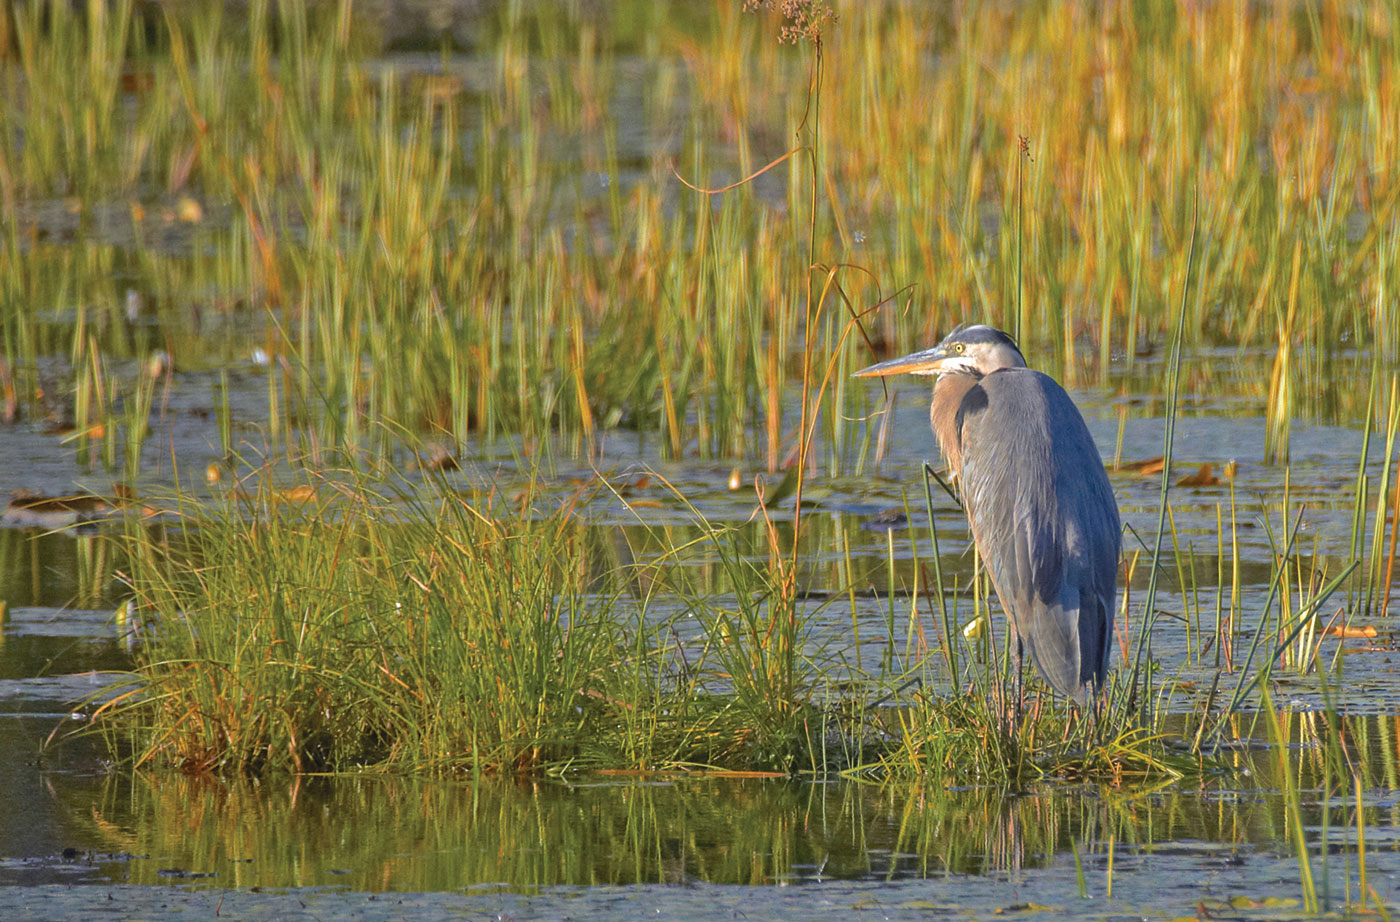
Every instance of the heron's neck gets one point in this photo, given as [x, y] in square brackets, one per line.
[948, 394]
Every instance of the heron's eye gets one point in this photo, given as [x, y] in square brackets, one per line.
[958, 348]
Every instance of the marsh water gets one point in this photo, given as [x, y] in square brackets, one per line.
[79, 837]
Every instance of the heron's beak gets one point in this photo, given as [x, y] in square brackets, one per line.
[926, 362]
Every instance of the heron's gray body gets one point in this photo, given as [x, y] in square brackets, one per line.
[1040, 505]
[1043, 517]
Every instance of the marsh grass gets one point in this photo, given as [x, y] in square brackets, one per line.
[347, 623]
[308, 629]
[1319, 763]
[499, 222]
[357, 622]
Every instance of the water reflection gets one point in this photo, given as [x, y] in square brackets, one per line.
[392, 834]
[57, 569]
[383, 833]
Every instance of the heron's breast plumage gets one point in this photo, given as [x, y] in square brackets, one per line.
[944, 413]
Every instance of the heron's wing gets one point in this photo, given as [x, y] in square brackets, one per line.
[1044, 520]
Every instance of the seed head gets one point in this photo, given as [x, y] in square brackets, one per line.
[803, 19]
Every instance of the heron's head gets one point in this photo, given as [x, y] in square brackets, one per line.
[969, 350]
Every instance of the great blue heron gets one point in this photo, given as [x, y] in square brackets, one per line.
[1041, 509]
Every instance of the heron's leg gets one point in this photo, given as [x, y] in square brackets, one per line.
[1020, 678]
[1096, 710]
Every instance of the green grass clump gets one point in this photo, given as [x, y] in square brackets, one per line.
[329, 627]
[973, 736]
[353, 623]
